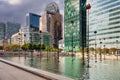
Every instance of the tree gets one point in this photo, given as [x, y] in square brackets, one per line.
[98, 50]
[15, 47]
[105, 50]
[80, 50]
[85, 49]
[1, 47]
[25, 46]
[112, 50]
[7, 47]
[91, 49]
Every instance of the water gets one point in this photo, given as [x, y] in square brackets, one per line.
[105, 70]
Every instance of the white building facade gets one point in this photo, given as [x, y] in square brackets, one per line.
[104, 19]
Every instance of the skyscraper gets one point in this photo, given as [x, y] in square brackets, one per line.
[32, 28]
[2, 31]
[74, 24]
[7, 30]
[32, 20]
[105, 20]
[51, 22]
[11, 28]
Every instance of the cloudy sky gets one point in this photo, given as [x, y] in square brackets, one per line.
[16, 10]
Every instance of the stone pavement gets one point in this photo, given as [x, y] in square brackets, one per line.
[8, 72]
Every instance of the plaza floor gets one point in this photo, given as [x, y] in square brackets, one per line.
[8, 72]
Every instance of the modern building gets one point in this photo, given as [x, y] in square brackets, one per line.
[7, 30]
[21, 38]
[51, 22]
[16, 39]
[74, 24]
[104, 18]
[61, 44]
[32, 28]
[46, 39]
[2, 31]
[11, 28]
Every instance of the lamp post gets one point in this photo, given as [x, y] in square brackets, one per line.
[88, 6]
[100, 51]
[25, 43]
[72, 22]
[95, 47]
[31, 44]
[40, 45]
[104, 49]
[19, 43]
[117, 48]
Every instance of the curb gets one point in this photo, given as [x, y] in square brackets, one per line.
[38, 72]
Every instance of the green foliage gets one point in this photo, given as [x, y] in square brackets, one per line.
[91, 49]
[112, 50]
[105, 50]
[7, 48]
[98, 50]
[30, 46]
[1, 47]
[14, 47]
[25, 46]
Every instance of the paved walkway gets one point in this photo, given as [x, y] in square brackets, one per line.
[8, 72]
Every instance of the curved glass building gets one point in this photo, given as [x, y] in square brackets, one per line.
[51, 22]
[105, 20]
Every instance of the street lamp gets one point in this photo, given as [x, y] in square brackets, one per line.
[88, 6]
[100, 51]
[95, 47]
[25, 43]
[40, 45]
[19, 43]
[72, 22]
[104, 49]
[31, 43]
[117, 48]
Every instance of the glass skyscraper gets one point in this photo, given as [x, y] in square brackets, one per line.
[11, 28]
[33, 20]
[74, 24]
[32, 27]
[105, 20]
[2, 31]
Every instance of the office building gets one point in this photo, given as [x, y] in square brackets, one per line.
[2, 31]
[51, 22]
[74, 24]
[32, 28]
[11, 28]
[104, 18]
[7, 30]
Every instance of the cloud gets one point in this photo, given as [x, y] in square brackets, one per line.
[57, 1]
[14, 2]
[16, 10]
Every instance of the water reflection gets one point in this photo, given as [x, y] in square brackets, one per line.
[105, 70]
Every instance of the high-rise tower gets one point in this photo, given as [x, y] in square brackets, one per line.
[105, 20]
[74, 24]
[51, 22]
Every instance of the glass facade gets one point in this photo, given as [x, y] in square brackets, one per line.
[33, 20]
[74, 25]
[32, 24]
[105, 19]
[46, 40]
[2, 31]
[11, 28]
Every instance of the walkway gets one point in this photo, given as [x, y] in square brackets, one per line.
[8, 72]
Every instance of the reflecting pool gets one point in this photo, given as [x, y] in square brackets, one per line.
[105, 70]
